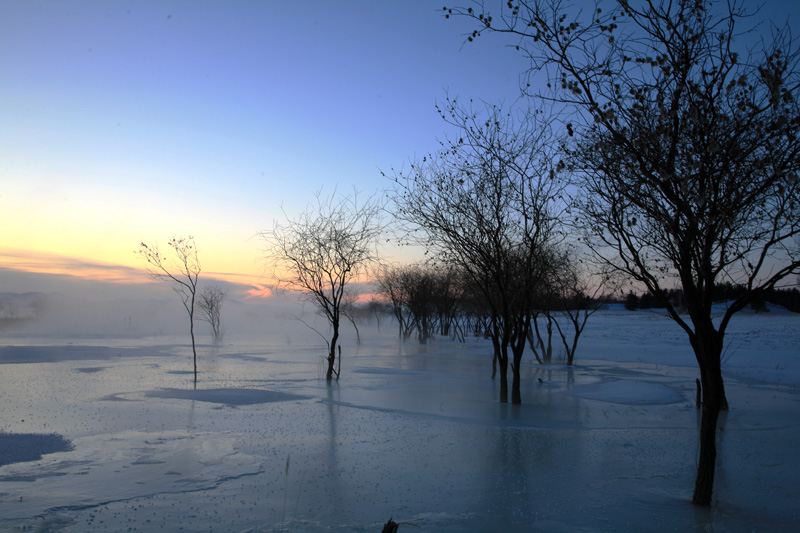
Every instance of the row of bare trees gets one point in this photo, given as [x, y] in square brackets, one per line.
[489, 207]
[425, 299]
[428, 299]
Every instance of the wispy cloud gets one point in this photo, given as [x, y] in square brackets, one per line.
[28, 261]
[44, 263]
[245, 285]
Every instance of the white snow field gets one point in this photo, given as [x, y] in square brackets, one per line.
[110, 434]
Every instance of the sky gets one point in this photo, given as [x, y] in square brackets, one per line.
[131, 121]
[136, 121]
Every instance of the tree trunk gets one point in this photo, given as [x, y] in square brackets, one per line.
[712, 403]
[699, 398]
[516, 396]
[707, 345]
[548, 355]
[532, 344]
[355, 327]
[704, 384]
[332, 354]
[517, 349]
[503, 360]
[194, 349]
[496, 347]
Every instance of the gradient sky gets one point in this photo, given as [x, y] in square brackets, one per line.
[130, 121]
[125, 121]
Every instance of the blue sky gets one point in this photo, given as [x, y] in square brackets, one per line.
[125, 121]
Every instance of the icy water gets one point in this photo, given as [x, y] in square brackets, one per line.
[413, 433]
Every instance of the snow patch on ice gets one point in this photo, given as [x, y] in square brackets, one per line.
[21, 447]
[230, 397]
[152, 462]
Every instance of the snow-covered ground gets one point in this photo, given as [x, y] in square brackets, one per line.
[109, 434]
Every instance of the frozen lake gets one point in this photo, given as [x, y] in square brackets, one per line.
[410, 432]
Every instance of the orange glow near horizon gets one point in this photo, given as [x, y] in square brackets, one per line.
[222, 260]
[247, 286]
[54, 264]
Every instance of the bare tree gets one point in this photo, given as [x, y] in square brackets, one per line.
[377, 309]
[182, 271]
[389, 280]
[350, 311]
[485, 203]
[324, 249]
[577, 305]
[567, 301]
[687, 137]
[210, 303]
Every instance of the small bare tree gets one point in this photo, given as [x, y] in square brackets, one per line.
[324, 249]
[350, 310]
[182, 271]
[210, 303]
[378, 309]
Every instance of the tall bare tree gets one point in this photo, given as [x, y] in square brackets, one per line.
[687, 137]
[182, 271]
[323, 250]
[486, 204]
[210, 303]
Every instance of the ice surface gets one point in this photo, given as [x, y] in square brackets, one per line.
[410, 432]
[630, 392]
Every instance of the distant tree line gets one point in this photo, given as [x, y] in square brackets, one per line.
[788, 298]
[18, 308]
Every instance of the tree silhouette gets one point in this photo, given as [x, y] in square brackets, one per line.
[210, 303]
[686, 142]
[324, 249]
[182, 271]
